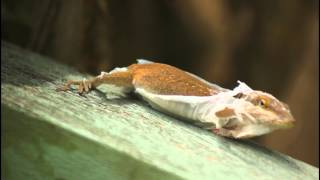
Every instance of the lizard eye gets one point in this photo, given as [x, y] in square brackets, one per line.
[262, 103]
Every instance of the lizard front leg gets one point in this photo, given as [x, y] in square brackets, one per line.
[83, 86]
[117, 78]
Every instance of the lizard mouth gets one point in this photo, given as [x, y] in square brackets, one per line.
[285, 124]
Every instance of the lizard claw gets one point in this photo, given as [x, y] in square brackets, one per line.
[83, 86]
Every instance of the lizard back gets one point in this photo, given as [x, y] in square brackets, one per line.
[164, 79]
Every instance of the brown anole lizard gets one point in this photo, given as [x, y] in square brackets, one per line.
[238, 113]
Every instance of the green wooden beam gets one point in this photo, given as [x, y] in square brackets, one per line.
[63, 136]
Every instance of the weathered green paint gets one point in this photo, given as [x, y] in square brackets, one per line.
[61, 135]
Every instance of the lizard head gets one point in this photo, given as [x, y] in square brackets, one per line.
[269, 110]
[256, 113]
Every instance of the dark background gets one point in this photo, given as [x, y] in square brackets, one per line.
[271, 45]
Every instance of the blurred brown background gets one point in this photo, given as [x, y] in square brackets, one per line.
[271, 45]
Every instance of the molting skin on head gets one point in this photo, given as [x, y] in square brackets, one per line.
[269, 109]
[254, 113]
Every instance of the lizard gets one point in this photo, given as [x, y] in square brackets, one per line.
[239, 113]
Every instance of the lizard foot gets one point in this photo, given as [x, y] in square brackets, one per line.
[83, 86]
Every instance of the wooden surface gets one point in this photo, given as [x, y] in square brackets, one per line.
[60, 135]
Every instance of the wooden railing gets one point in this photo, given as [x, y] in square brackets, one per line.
[63, 136]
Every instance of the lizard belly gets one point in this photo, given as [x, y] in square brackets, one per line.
[186, 107]
[178, 108]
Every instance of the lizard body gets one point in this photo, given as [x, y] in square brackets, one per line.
[238, 113]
